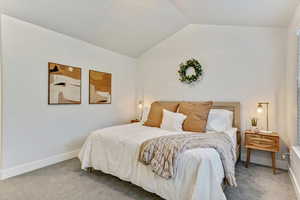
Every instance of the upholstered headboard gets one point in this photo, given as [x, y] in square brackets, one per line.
[233, 106]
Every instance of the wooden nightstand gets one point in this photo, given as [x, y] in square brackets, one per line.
[134, 121]
[264, 142]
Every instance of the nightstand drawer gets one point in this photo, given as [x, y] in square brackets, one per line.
[262, 142]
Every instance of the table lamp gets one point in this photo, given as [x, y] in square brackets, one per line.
[140, 107]
[260, 109]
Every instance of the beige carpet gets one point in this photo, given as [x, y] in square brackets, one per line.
[65, 181]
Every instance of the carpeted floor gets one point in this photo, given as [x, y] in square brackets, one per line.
[65, 181]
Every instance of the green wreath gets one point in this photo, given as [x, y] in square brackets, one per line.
[183, 68]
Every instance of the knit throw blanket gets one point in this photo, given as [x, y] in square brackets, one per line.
[161, 153]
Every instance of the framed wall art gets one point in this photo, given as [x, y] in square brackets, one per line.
[64, 84]
[99, 87]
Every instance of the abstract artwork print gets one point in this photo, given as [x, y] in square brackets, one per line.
[64, 85]
[100, 87]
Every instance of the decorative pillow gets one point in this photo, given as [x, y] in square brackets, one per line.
[172, 121]
[197, 114]
[219, 120]
[156, 112]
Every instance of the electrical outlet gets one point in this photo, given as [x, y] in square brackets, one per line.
[285, 156]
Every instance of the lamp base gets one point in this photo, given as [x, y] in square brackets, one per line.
[264, 131]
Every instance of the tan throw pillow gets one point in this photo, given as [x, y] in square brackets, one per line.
[197, 114]
[156, 112]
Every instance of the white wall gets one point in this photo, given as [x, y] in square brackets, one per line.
[1, 96]
[33, 129]
[291, 97]
[245, 64]
[291, 80]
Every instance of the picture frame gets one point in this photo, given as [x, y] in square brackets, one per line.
[100, 87]
[64, 84]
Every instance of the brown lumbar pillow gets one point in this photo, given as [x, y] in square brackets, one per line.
[197, 114]
[156, 112]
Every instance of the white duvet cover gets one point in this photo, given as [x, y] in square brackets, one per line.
[115, 151]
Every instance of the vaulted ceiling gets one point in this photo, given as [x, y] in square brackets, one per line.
[131, 27]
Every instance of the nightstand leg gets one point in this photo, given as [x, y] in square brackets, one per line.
[274, 162]
[248, 157]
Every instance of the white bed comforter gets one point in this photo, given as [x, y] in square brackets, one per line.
[115, 151]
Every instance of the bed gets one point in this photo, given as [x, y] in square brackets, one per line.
[200, 173]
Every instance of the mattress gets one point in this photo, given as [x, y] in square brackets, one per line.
[115, 151]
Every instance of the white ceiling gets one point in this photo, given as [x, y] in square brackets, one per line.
[275, 13]
[131, 27]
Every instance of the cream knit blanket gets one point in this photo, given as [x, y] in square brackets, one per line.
[161, 153]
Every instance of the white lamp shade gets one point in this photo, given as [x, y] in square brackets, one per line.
[260, 109]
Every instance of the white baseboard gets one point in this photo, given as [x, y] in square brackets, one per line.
[27, 167]
[295, 183]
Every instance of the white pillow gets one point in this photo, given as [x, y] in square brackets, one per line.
[145, 114]
[219, 120]
[172, 121]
